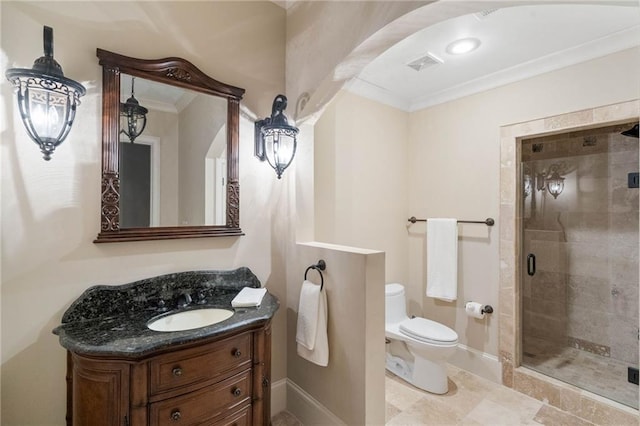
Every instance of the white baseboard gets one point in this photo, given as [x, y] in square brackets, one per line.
[307, 409]
[278, 396]
[479, 363]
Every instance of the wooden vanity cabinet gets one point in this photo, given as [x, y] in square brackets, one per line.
[221, 381]
[100, 389]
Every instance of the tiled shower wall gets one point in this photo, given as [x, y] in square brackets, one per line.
[585, 290]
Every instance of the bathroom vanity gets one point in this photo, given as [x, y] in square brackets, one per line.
[120, 372]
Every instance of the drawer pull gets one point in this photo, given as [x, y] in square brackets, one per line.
[236, 352]
[236, 392]
[176, 415]
[177, 371]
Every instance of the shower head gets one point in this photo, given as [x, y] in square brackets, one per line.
[632, 132]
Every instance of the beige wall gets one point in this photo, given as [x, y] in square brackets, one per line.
[452, 163]
[51, 209]
[200, 122]
[361, 179]
[164, 126]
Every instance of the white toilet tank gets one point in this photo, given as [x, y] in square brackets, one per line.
[395, 303]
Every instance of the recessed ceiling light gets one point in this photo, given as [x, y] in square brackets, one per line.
[462, 46]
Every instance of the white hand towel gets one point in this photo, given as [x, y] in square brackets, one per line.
[311, 332]
[442, 259]
[248, 297]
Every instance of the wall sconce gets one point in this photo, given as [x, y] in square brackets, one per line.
[46, 98]
[275, 138]
[555, 184]
[133, 116]
[551, 181]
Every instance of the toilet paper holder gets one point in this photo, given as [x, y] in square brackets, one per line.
[484, 309]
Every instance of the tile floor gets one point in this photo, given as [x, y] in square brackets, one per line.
[285, 418]
[471, 400]
[598, 374]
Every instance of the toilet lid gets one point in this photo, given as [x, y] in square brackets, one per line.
[427, 330]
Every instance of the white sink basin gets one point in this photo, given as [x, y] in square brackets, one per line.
[188, 320]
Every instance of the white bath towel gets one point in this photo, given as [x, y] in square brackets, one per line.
[248, 297]
[311, 332]
[442, 259]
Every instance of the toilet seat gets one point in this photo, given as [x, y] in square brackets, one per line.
[428, 331]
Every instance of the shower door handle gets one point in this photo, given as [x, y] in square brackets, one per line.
[531, 264]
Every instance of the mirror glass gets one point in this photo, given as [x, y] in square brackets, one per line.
[174, 172]
[170, 143]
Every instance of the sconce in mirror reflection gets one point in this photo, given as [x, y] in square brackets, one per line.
[133, 116]
[275, 138]
[47, 100]
[555, 184]
[549, 180]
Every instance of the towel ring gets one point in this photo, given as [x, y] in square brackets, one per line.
[320, 266]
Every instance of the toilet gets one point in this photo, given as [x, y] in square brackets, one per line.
[418, 348]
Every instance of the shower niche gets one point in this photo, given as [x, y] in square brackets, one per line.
[579, 236]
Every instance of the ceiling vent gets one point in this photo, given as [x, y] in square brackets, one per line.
[484, 13]
[426, 61]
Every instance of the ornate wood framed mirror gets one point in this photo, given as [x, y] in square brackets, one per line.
[174, 172]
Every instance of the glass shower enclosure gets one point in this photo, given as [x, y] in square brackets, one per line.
[580, 259]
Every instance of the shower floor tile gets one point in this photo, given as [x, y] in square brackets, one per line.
[603, 376]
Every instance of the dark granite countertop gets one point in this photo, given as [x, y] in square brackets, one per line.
[112, 320]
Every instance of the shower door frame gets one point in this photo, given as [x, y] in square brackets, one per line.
[562, 395]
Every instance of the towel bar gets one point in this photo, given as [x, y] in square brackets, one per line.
[488, 221]
[320, 266]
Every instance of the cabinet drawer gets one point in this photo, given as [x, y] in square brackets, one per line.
[204, 405]
[243, 418]
[199, 365]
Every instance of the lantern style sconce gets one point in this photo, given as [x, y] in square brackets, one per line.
[47, 100]
[550, 180]
[275, 138]
[133, 116]
[555, 184]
